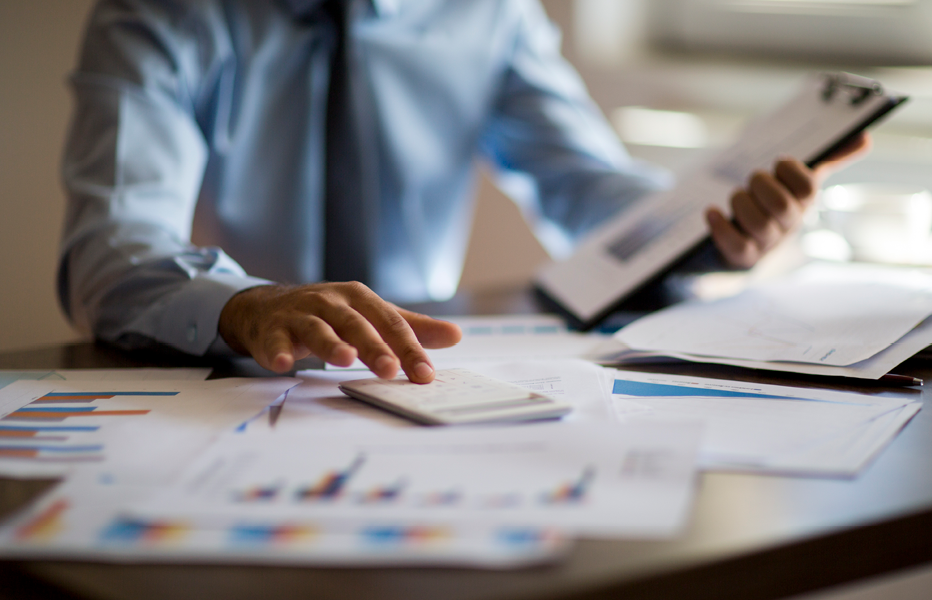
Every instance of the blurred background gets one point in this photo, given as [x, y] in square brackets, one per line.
[677, 78]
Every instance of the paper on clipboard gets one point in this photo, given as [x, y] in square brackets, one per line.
[630, 250]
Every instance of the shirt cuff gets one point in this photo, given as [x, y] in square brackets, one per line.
[193, 314]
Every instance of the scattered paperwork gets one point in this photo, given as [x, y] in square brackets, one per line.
[162, 467]
[824, 319]
[84, 519]
[605, 481]
[769, 428]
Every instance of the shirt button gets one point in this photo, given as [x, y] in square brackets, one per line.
[192, 333]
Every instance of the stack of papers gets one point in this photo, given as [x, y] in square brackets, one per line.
[850, 320]
[266, 470]
[163, 467]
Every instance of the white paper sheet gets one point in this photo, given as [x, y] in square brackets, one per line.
[874, 367]
[769, 428]
[83, 519]
[606, 480]
[145, 374]
[823, 314]
[124, 430]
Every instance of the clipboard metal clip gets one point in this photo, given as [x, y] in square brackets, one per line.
[856, 87]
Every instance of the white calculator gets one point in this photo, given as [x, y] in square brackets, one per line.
[456, 396]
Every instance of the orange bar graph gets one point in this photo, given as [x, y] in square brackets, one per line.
[46, 524]
[71, 398]
[58, 415]
[11, 453]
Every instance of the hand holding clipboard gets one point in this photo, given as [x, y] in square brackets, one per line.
[637, 246]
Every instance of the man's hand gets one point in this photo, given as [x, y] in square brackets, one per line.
[336, 322]
[772, 205]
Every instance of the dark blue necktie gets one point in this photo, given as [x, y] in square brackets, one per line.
[352, 189]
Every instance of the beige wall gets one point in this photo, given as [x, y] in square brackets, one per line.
[38, 39]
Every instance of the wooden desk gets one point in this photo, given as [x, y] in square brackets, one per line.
[750, 537]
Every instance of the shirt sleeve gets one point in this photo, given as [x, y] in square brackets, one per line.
[551, 146]
[132, 170]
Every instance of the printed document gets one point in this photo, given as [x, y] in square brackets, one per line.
[770, 428]
[605, 481]
[834, 315]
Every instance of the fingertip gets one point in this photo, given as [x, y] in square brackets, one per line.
[453, 332]
[385, 367]
[422, 372]
[343, 355]
[282, 362]
[714, 217]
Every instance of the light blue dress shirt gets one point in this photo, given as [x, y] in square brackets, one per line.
[214, 113]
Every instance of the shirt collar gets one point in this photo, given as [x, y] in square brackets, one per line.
[383, 8]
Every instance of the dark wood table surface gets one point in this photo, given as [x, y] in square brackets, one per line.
[749, 537]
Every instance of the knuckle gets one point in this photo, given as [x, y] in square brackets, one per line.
[313, 296]
[356, 288]
[395, 322]
[410, 353]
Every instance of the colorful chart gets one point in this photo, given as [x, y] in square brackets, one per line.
[134, 532]
[28, 434]
[383, 494]
[259, 493]
[46, 525]
[572, 493]
[270, 535]
[398, 535]
[331, 485]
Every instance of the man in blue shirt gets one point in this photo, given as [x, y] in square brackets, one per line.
[331, 141]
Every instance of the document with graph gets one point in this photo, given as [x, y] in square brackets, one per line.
[85, 519]
[767, 428]
[641, 243]
[601, 480]
[124, 430]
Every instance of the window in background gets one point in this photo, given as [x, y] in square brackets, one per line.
[865, 31]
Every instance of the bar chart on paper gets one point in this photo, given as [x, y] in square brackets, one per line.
[120, 429]
[530, 476]
[41, 431]
[407, 479]
[68, 523]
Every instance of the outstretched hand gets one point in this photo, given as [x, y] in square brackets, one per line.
[772, 205]
[335, 322]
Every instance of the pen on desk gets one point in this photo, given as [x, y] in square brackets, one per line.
[275, 410]
[899, 380]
